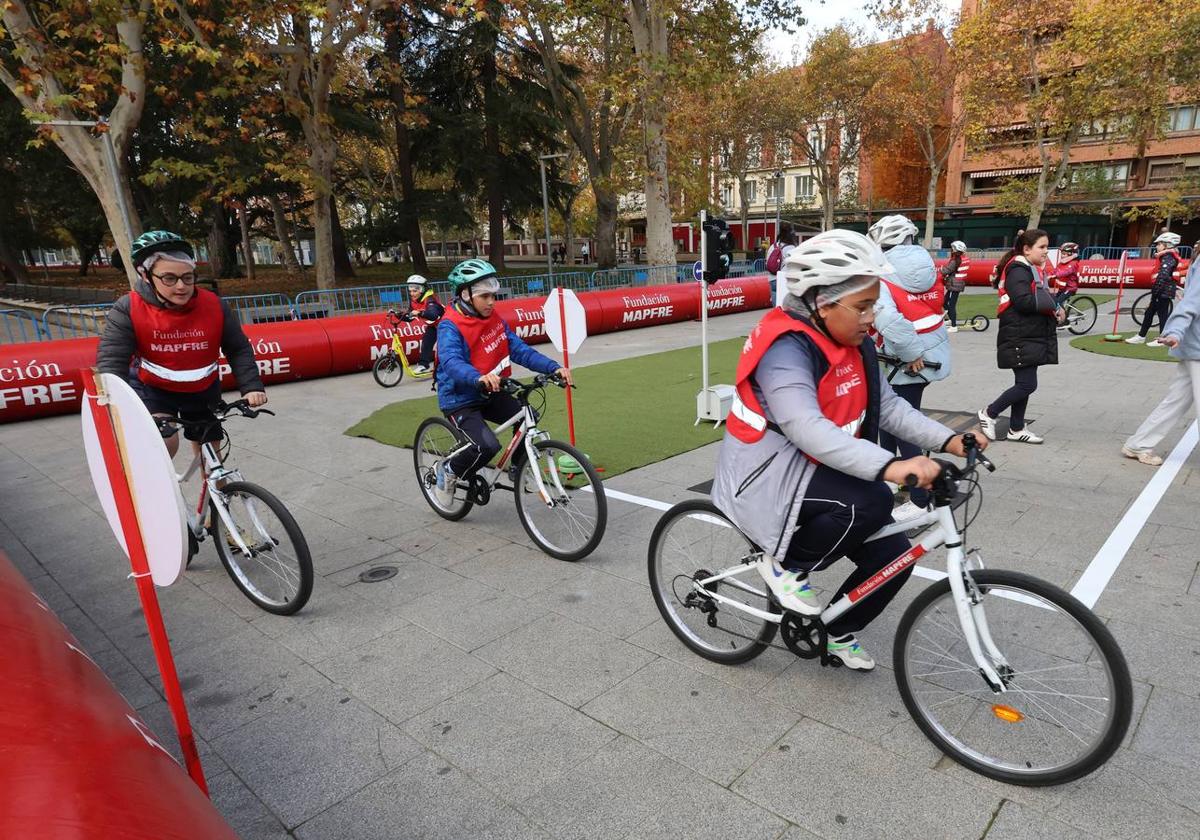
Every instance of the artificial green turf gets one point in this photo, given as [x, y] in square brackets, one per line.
[1097, 344]
[628, 413]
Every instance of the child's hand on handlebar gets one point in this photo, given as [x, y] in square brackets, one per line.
[490, 382]
[956, 446]
[925, 470]
[565, 375]
[256, 398]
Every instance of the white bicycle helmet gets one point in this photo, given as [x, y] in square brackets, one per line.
[959, 246]
[416, 280]
[892, 230]
[1169, 239]
[830, 258]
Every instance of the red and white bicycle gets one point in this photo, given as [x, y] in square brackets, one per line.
[1005, 673]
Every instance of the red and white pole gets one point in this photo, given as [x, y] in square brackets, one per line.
[562, 318]
[1120, 290]
[115, 465]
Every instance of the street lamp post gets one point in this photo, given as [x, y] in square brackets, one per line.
[546, 210]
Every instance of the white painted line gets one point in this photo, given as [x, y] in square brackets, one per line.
[1104, 565]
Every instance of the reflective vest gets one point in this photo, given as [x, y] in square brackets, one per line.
[1004, 301]
[419, 302]
[178, 349]
[1066, 274]
[923, 309]
[961, 274]
[1180, 269]
[842, 393]
[487, 341]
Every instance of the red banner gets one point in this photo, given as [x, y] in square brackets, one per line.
[1098, 274]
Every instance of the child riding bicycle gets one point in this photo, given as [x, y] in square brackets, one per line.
[423, 303]
[799, 471]
[476, 348]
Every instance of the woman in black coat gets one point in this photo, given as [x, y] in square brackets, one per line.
[1028, 334]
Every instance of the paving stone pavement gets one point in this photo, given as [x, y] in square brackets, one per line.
[488, 691]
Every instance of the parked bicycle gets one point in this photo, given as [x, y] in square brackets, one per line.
[393, 365]
[1007, 674]
[560, 500]
[259, 543]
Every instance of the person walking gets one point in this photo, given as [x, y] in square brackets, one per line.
[1162, 293]
[1028, 334]
[954, 276]
[1181, 333]
[775, 259]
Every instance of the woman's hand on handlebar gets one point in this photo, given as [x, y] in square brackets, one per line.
[957, 447]
[916, 365]
[490, 383]
[565, 375]
[254, 399]
[925, 470]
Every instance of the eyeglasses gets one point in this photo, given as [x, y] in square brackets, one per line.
[864, 315]
[172, 279]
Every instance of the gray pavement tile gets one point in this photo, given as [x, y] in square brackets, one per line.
[1020, 822]
[713, 728]
[405, 672]
[508, 736]
[90, 637]
[301, 759]
[126, 679]
[452, 806]
[235, 680]
[52, 594]
[627, 790]
[468, 613]
[334, 620]
[1169, 730]
[1148, 606]
[518, 569]
[795, 832]
[752, 675]
[1162, 659]
[334, 560]
[806, 777]
[244, 812]
[414, 579]
[603, 602]
[564, 659]
[158, 717]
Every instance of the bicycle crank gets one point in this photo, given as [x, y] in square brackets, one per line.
[805, 637]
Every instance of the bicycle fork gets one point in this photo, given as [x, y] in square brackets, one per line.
[968, 603]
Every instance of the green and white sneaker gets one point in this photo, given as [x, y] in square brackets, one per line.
[850, 652]
[791, 589]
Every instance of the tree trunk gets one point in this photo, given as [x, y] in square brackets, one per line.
[411, 228]
[247, 250]
[222, 257]
[931, 205]
[745, 214]
[12, 269]
[343, 269]
[606, 229]
[491, 150]
[286, 245]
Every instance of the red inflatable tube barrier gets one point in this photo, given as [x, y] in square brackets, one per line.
[1097, 274]
[75, 759]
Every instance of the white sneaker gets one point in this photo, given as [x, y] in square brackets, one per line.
[421, 368]
[908, 510]
[1143, 456]
[951, 329]
[987, 425]
[851, 654]
[791, 589]
[443, 491]
[1154, 342]
[1025, 436]
[1135, 339]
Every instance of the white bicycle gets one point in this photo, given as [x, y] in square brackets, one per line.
[1007, 674]
[256, 537]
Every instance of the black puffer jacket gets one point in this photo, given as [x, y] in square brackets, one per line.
[1164, 279]
[1027, 337]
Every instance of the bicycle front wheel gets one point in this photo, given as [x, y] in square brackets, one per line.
[1081, 315]
[694, 541]
[436, 439]
[1138, 311]
[1068, 699]
[387, 370]
[570, 523]
[275, 569]
[980, 323]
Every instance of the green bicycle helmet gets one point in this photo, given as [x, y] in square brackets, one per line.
[154, 241]
[468, 272]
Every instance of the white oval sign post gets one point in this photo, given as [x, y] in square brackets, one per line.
[566, 327]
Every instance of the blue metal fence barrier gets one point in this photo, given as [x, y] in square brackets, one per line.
[261, 309]
[74, 321]
[18, 326]
[1113, 252]
[635, 275]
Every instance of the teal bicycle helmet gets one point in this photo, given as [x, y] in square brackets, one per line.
[154, 241]
[468, 272]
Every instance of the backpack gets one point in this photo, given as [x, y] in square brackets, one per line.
[775, 258]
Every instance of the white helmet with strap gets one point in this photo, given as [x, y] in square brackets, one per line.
[892, 230]
[1169, 239]
[830, 258]
[959, 246]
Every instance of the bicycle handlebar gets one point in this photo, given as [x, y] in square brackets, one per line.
[508, 385]
[221, 411]
[896, 361]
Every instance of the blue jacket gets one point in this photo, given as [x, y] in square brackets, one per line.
[1184, 322]
[457, 378]
[914, 272]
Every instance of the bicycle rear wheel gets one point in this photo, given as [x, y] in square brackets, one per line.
[1081, 315]
[387, 370]
[980, 323]
[436, 439]
[1138, 311]
[570, 524]
[1068, 699]
[693, 541]
[275, 572]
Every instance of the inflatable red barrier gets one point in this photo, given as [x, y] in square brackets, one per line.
[286, 351]
[75, 758]
[1098, 274]
[42, 378]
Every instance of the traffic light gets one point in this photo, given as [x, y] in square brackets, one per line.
[718, 250]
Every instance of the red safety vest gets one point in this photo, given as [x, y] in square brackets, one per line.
[1180, 269]
[841, 393]
[420, 301]
[1066, 274]
[487, 340]
[924, 310]
[1004, 301]
[178, 348]
[961, 273]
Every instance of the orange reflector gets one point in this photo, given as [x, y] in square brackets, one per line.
[1007, 714]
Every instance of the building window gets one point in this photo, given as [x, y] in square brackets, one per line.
[753, 153]
[805, 186]
[751, 191]
[1165, 173]
[1182, 118]
[775, 190]
[815, 142]
[727, 196]
[1116, 174]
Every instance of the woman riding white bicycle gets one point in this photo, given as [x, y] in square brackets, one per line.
[799, 471]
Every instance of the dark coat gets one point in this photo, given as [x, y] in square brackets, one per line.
[1027, 337]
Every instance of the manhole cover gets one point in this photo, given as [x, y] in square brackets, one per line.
[378, 573]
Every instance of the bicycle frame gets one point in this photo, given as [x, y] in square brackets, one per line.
[967, 604]
[213, 471]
